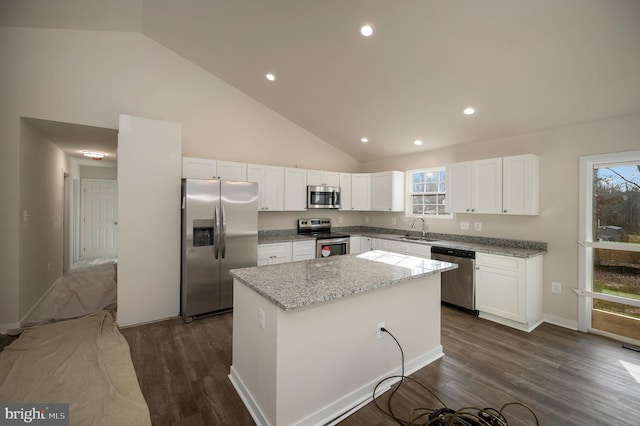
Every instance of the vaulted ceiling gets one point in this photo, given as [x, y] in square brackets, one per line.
[524, 65]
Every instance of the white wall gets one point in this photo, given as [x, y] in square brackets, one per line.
[148, 220]
[559, 150]
[91, 77]
[42, 168]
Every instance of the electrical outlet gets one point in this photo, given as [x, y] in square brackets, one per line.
[556, 287]
[379, 332]
[393, 221]
[464, 225]
[340, 219]
[48, 266]
[477, 226]
[261, 318]
[366, 219]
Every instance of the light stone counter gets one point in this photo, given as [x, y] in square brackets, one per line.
[298, 284]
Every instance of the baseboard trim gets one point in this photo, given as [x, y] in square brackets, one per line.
[344, 406]
[560, 322]
[8, 326]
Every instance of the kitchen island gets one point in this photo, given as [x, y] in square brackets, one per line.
[306, 348]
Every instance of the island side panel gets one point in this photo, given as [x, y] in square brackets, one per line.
[253, 368]
[329, 357]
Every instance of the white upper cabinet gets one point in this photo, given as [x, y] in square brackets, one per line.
[202, 168]
[321, 178]
[475, 186]
[521, 185]
[198, 168]
[345, 191]
[270, 181]
[361, 191]
[295, 189]
[387, 191]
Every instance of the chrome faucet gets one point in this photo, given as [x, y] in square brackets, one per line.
[425, 229]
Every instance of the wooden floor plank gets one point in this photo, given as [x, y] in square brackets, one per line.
[566, 377]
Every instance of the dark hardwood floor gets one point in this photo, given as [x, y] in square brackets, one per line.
[565, 377]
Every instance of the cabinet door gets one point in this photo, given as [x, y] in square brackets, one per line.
[521, 185]
[345, 191]
[354, 245]
[270, 254]
[198, 168]
[500, 290]
[361, 191]
[459, 187]
[387, 191]
[295, 189]
[420, 250]
[377, 244]
[487, 186]
[322, 178]
[273, 195]
[303, 250]
[228, 170]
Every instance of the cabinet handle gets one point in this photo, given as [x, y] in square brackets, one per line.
[473, 210]
[477, 268]
[504, 211]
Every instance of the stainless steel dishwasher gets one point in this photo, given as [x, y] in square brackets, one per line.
[458, 285]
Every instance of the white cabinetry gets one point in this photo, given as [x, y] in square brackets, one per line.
[361, 191]
[402, 247]
[521, 185]
[202, 168]
[345, 191]
[509, 290]
[270, 181]
[304, 250]
[321, 178]
[508, 185]
[475, 186]
[359, 244]
[270, 254]
[295, 189]
[387, 191]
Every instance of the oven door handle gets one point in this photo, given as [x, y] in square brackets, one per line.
[334, 241]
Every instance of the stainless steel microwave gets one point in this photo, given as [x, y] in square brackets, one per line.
[323, 197]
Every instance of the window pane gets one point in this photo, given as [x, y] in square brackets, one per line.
[616, 196]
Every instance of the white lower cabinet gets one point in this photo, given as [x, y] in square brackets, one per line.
[402, 247]
[304, 250]
[509, 290]
[359, 244]
[273, 253]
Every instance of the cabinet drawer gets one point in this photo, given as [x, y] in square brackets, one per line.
[274, 248]
[502, 262]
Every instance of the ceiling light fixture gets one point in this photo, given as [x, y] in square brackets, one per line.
[417, 142]
[469, 111]
[367, 30]
[364, 140]
[270, 77]
[94, 155]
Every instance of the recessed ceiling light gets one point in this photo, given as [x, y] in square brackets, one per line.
[469, 111]
[270, 77]
[367, 30]
[417, 142]
[364, 140]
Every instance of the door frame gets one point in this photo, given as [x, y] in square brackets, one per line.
[586, 243]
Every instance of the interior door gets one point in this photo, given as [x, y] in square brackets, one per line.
[99, 218]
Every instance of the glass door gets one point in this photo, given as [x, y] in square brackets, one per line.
[610, 244]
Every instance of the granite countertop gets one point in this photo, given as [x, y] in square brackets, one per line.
[503, 247]
[295, 285]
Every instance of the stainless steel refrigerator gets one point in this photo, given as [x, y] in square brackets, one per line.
[219, 233]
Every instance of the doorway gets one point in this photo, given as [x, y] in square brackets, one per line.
[610, 245]
[99, 222]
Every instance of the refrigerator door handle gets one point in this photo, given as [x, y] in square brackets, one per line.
[223, 237]
[216, 232]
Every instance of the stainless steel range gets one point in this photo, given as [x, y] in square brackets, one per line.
[327, 242]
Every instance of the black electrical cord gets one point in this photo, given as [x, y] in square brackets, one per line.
[445, 416]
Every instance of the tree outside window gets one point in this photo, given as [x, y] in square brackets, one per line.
[427, 193]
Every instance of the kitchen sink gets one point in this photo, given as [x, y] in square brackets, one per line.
[412, 238]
